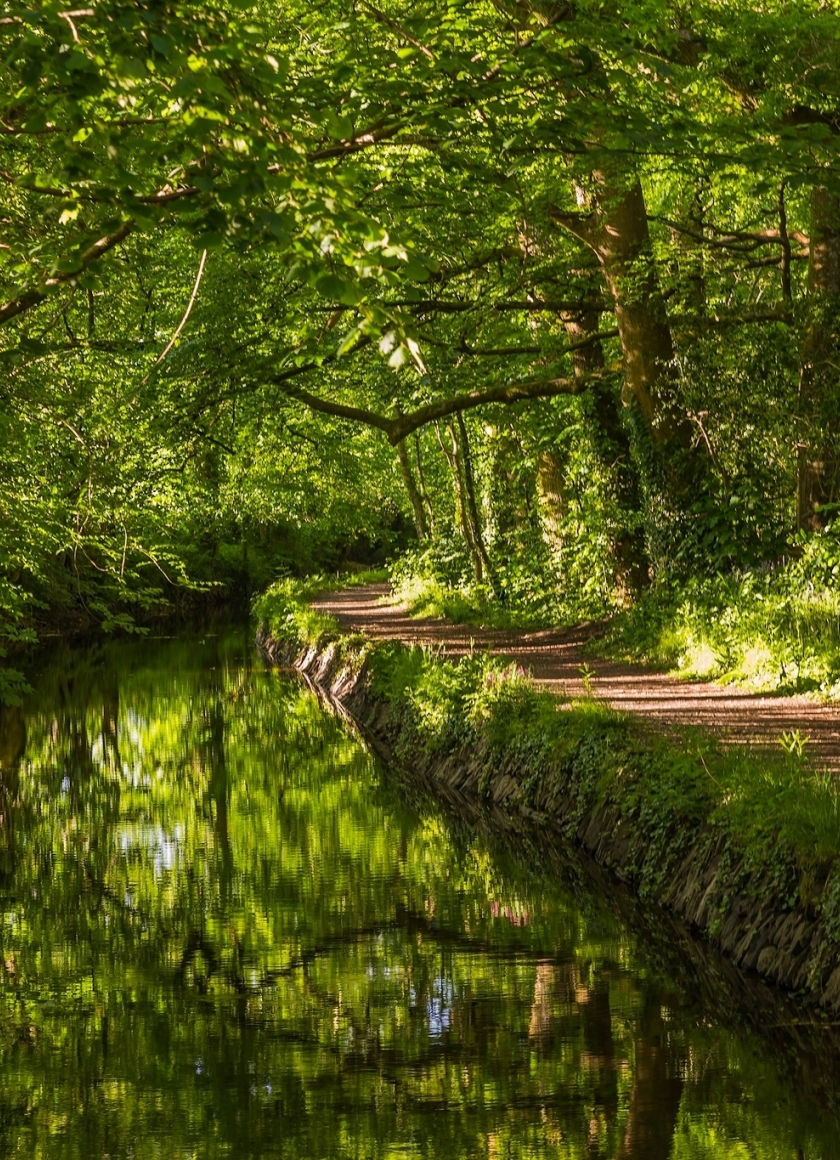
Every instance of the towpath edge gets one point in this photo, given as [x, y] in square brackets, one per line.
[787, 942]
[556, 657]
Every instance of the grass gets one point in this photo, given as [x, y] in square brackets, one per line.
[777, 815]
[766, 632]
[770, 629]
[466, 604]
[759, 631]
[437, 580]
[284, 608]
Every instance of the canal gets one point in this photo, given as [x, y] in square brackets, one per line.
[226, 931]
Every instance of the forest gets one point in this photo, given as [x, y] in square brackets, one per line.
[530, 308]
[536, 303]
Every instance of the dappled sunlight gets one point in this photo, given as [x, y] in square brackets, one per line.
[557, 658]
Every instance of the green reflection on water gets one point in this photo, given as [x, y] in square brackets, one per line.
[224, 935]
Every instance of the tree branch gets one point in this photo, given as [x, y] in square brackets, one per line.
[398, 28]
[578, 224]
[755, 317]
[373, 135]
[739, 240]
[498, 351]
[401, 426]
[506, 394]
[444, 306]
[340, 411]
[184, 319]
[34, 297]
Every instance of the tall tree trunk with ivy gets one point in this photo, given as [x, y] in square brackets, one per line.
[819, 378]
[613, 450]
[613, 222]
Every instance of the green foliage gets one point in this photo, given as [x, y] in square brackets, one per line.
[249, 248]
[126, 121]
[776, 628]
[248, 251]
[13, 683]
[553, 557]
[782, 814]
[285, 612]
[228, 931]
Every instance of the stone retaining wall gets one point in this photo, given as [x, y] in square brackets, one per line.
[786, 944]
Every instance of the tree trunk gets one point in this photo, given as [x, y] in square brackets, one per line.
[600, 1047]
[110, 720]
[656, 1093]
[819, 377]
[612, 446]
[12, 749]
[551, 463]
[551, 492]
[688, 258]
[414, 494]
[668, 461]
[12, 742]
[617, 232]
[421, 486]
[453, 458]
[472, 507]
[539, 1026]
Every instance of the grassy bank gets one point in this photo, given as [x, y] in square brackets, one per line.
[429, 586]
[285, 611]
[468, 604]
[774, 817]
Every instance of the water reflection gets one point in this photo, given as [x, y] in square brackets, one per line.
[223, 934]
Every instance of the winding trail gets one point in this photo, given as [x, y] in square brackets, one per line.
[555, 657]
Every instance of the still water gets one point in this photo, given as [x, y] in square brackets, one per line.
[226, 932]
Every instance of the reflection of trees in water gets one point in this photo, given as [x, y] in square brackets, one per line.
[224, 919]
[12, 748]
[215, 767]
[657, 1087]
[12, 739]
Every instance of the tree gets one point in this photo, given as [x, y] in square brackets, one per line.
[255, 256]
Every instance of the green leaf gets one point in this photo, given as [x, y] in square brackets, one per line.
[336, 288]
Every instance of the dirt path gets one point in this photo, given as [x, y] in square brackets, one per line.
[555, 657]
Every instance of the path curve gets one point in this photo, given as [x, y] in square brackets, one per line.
[555, 657]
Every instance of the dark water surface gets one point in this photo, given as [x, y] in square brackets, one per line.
[225, 932]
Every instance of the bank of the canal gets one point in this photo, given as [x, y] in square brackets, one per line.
[743, 846]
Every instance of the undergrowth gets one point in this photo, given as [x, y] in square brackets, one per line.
[466, 601]
[284, 608]
[778, 815]
[776, 629]
[465, 604]
[771, 628]
[525, 592]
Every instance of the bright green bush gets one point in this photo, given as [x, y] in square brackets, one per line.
[771, 629]
[284, 609]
